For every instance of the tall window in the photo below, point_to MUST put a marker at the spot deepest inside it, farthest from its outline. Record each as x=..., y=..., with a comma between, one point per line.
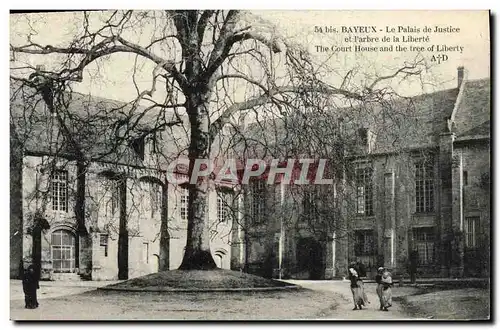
x=364, y=191
x=424, y=240
x=224, y=202
x=424, y=186
x=104, y=238
x=59, y=191
x=183, y=207
x=258, y=200
x=63, y=251
x=364, y=243
x=145, y=252
x=471, y=231
x=310, y=204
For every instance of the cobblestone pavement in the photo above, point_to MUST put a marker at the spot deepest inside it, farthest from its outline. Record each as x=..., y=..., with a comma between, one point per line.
x=325, y=300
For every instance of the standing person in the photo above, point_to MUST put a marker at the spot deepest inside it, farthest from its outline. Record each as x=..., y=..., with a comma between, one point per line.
x=384, y=291
x=378, y=279
x=357, y=287
x=30, y=285
x=413, y=266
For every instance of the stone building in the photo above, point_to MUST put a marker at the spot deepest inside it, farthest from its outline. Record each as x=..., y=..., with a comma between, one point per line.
x=430, y=193
x=95, y=208
x=413, y=174
x=416, y=178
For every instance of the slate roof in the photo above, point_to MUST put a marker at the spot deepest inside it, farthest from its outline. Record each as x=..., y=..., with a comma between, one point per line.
x=93, y=120
x=397, y=124
x=473, y=111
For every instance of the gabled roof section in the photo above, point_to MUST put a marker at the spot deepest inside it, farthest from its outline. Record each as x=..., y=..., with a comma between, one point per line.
x=411, y=123
x=473, y=111
x=92, y=121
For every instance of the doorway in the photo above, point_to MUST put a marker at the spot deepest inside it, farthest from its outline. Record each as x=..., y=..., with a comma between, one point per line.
x=310, y=258
x=63, y=251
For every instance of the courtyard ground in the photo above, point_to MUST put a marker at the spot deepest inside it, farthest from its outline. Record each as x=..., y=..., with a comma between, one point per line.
x=458, y=304
x=323, y=300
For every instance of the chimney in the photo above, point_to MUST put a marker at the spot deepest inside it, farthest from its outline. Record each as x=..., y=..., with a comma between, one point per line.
x=460, y=75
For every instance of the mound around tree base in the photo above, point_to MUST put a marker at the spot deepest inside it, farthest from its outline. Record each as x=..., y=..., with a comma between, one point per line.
x=200, y=281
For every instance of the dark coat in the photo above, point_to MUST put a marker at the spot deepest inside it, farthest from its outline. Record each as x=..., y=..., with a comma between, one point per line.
x=30, y=285
x=413, y=261
x=30, y=281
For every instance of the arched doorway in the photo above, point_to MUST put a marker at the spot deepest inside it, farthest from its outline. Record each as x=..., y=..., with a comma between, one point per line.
x=219, y=258
x=310, y=258
x=63, y=251
x=156, y=262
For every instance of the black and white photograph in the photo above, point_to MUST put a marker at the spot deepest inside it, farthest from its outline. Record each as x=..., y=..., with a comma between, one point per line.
x=244, y=165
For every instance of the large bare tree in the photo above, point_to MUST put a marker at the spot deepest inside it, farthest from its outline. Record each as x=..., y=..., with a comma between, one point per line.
x=207, y=66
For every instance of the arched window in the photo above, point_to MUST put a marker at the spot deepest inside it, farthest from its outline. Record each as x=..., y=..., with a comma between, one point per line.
x=63, y=251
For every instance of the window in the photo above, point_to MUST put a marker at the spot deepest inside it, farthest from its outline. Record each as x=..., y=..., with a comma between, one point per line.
x=310, y=204
x=366, y=139
x=364, y=243
x=103, y=242
x=224, y=202
x=258, y=200
x=184, y=200
x=465, y=178
x=424, y=243
x=424, y=186
x=139, y=146
x=363, y=136
x=145, y=252
x=471, y=231
x=364, y=191
x=59, y=191
x=63, y=251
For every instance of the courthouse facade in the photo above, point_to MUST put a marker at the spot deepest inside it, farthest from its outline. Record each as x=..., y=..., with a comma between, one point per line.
x=419, y=180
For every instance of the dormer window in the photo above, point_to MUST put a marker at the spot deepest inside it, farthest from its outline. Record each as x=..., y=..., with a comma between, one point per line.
x=366, y=139
x=363, y=136
x=139, y=146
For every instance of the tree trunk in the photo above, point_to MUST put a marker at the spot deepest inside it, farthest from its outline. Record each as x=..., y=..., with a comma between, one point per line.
x=36, y=250
x=81, y=176
x=123, y=233
x=197, y=254
x=164, y=256
x=80, y=197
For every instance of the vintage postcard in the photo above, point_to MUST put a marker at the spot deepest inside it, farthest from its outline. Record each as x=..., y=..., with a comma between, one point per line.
x=250, y=165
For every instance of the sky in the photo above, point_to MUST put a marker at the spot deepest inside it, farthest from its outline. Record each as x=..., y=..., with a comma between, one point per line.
x=302, y=28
